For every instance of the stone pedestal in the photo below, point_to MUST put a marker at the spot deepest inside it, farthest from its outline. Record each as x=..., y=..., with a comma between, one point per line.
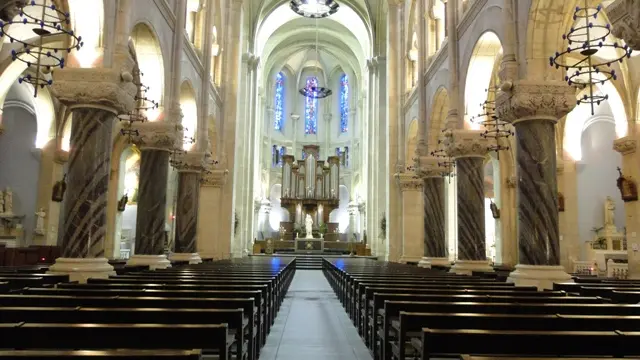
x=155, y=141
x=94, y=97
x=412, y=217
x=192, y=258
x=435, y=241
x=469, y=150
x=533, y=108
x=628, y=146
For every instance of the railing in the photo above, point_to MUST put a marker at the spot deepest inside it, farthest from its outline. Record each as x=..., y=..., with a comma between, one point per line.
x=617, y=270
x=585, y=268
x=125, y=254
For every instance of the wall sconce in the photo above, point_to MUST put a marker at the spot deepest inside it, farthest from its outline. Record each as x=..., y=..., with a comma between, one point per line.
x=628, y=188
x=57, y=194
x=495, y=212
x=560, y=202
x=122, y=203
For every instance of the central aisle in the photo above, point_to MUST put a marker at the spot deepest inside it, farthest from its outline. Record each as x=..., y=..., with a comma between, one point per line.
x=312, y=325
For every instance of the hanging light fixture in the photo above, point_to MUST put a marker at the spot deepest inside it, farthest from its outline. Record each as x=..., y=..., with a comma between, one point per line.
x=59, y=188
x=41, y=55
x=584, y=70
x=312, y=90
x=138, y=114
x=314, y=8
x=122, y=203
x=445, y=161
x=494, y=128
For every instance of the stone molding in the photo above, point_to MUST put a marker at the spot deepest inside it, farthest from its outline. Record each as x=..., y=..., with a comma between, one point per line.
x=408, y=181
x=429, y=167
x=158, y=135
x=625, y=145
x=466, y=143
x=61, y=156
x=111, y=89
x=215, y=178
x=534, y=100
x=625, y=18
x=191, y=161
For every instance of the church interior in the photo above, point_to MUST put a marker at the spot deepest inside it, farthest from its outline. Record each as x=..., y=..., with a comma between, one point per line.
x=319, y=179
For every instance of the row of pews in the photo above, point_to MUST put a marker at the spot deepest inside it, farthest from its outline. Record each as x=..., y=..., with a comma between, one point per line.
x=221, y=310
x=406, y=312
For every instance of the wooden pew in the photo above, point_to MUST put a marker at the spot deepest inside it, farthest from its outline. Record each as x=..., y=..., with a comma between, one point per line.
x=410, y=324
x=510, y=357
x=23, y=336
x=236, y=322
x=130, y=354
x=445, y=342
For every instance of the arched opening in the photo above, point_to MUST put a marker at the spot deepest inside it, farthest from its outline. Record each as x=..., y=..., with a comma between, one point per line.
x=479, y=76
x=128, y=182
x=413, y=61
x=87, y=19
x=439, y=109
x=189, y=109
x=277, y=213
x=151, y=66
x=412, y=141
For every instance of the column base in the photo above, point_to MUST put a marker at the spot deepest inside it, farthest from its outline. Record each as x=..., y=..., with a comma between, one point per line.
x=538, y=275
x=467, y=267
x=153, y=261
x=404, y=259
x=81, y=269
x=428, y=262
x=192, y=258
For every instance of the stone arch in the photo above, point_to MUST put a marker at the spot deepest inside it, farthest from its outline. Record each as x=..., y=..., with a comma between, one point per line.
x=439, y=109
x=189, y=107
x=151, y=64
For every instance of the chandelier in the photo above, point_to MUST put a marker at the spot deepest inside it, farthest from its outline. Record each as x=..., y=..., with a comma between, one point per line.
x=584, y=70
x=314, y=8
x=39, y=54
x=444, y=160
x=494, y=128
x=138, y=114
x=312, y=90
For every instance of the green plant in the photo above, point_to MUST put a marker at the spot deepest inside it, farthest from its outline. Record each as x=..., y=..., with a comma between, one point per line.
x=322, y=228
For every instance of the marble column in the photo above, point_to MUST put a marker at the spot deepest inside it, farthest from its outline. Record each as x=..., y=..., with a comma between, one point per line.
x=628, y=148
x=85, y=205
x=435, y=241
x=190, y=167
x=469, y=150
x=412, y=226
x=155, y=142
x=625, y=18
x=533, y=107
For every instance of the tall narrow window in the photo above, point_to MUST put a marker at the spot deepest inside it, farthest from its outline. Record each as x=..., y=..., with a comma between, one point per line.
x=344, y=103
x=278, y=122
x=283, y=152
x=311, y=109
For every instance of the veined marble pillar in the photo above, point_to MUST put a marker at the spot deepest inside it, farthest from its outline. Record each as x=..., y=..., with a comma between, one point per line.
x=625, y=18
x=533, y=108
x=628, y=147
x=85, y=205
x=190, y=167
x=435, y=241
x=155, y=141
x=469, y=149
x=412, y=242
x=210, y=245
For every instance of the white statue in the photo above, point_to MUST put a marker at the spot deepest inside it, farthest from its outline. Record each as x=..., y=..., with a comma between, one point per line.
x=40, y=215
x=308, y=224
x=8, y=201
x=609, y=215
x=1, y=202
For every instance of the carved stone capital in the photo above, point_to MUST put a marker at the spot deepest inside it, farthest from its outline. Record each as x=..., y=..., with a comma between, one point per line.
x=466, y=143
x=429, y=166
x=10, y=8
x=408, y=181
x=191, y=161
x=108, y=88
x=625, y=18
x=158, y=135
x=215, y=178
x=625, y=145
x=535, y=100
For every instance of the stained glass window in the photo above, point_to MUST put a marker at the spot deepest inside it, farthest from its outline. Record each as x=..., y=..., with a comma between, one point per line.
x=311, y=109
x=283, y=152
x=278, y=122
x=344, y=103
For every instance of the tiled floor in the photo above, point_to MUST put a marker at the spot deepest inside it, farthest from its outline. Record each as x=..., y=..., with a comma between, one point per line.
x=312, y=325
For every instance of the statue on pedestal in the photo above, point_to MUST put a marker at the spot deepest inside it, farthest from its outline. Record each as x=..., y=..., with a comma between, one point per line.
x=40, y=215
x=609, y=215
x=308, y=224
x=8, y=201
